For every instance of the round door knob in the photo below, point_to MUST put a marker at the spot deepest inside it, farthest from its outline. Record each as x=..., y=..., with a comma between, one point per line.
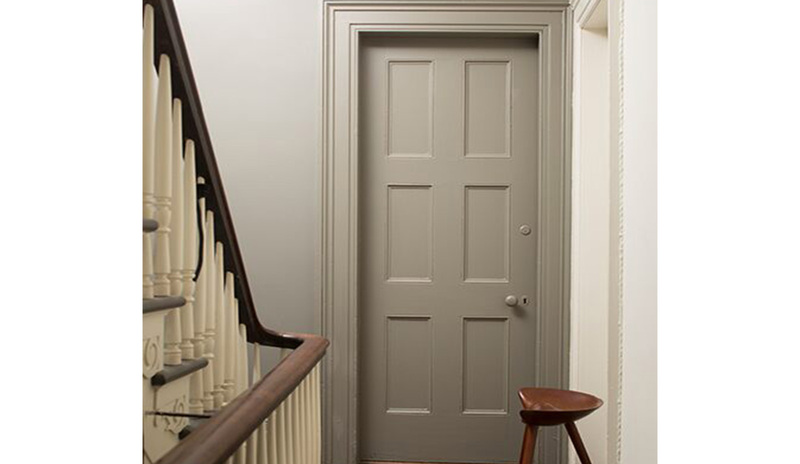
x=511, y=300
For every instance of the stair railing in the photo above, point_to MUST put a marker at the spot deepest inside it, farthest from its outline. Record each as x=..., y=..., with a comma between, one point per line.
x=254, y=420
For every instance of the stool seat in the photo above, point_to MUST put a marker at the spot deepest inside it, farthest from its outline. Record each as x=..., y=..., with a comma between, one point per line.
x=550, y=406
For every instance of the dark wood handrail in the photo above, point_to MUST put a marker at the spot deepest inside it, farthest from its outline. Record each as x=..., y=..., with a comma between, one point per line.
x=169, y=41
x=217, y=439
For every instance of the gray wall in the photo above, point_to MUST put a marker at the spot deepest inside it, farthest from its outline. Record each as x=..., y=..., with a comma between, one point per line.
x=262, y=103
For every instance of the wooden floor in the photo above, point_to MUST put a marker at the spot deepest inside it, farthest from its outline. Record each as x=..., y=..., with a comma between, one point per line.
x=419, y=462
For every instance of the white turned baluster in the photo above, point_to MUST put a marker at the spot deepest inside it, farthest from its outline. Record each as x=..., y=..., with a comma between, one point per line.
x=313, y=426
x=240, y=456
x=243, y=380
x=312, y=417
x=299, y=413
x=241, y=354
x=239, y=380
x=284, y=448
x=172, y=323
x=272, y=445
x=266, y=440
x=210, y=313
x=265, y=446
x=147, y=266
x=296, y=418
x=200, y=301
x=191, y=257
x=318, y=414
x=241, y=385
x=231, y=330
x=196, y=393
x=163, y=176
x=197, y=390
x=149, y=84
x=283, y=427
x=308, y=420
x=256, y=452
x=163, y=197
x=219, y=342
x=189, y=251
x=288, y=421
x=300, y=392
x=176, y=222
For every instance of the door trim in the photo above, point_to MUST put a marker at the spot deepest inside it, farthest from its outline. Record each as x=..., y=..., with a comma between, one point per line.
x=343, y=24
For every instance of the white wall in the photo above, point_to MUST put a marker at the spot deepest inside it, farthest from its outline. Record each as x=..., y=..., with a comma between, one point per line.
x=262, y=104
x=639, y=375
x=629, y=384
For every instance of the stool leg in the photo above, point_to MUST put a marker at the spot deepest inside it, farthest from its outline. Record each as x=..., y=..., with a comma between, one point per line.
x=577, y=443
x=528, y=445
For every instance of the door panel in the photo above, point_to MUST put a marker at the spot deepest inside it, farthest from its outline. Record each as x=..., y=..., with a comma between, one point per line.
x=448, y=203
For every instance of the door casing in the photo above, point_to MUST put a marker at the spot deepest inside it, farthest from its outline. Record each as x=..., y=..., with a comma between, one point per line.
x=344, y=22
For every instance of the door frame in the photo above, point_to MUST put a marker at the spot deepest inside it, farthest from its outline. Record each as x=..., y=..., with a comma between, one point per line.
x=596, y=339
x=343, y=23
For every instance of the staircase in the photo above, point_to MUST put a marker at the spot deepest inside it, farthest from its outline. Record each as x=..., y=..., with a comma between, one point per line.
x=204, y=399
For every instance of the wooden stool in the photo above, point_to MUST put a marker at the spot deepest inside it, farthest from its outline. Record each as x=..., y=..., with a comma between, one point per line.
x=549, y=406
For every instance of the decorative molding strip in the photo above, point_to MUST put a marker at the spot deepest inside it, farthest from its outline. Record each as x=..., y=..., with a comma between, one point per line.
x=151, y=356
x=621, y=226
x=173, y=424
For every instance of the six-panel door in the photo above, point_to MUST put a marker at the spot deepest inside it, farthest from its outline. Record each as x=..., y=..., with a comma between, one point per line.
x=448, y=195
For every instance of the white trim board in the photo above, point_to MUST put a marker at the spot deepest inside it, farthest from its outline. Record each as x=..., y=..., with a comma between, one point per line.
x=343, y=23
x=593, y=308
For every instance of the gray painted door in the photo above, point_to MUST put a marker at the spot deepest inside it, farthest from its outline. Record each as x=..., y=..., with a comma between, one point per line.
x=448, y=143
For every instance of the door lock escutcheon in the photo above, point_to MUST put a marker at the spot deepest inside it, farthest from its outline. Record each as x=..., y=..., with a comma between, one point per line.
x=512, y=300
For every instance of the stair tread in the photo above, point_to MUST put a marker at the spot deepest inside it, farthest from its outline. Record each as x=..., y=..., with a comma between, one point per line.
x=193, y=424
x=159, y=303
x=149, y=225
x=172, y=373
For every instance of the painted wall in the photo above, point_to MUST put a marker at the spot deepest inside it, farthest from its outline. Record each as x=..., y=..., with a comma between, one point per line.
x=262, y=104
x=261, y=100
x=639, y=204
x=626, y=236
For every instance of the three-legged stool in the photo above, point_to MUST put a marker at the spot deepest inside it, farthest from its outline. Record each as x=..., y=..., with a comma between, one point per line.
x=549, y=406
